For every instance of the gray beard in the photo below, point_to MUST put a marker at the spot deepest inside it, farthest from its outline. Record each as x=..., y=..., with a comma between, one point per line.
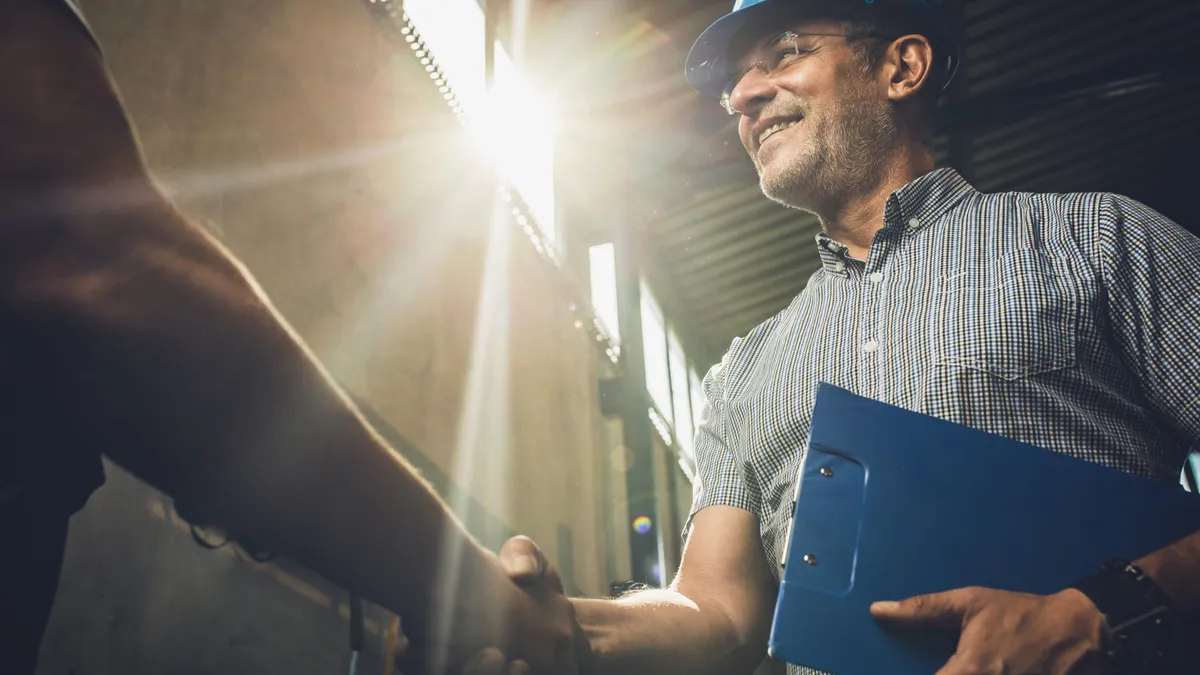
x=847, y=156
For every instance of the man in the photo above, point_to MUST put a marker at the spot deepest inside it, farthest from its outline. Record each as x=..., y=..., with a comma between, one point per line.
x=1067, y=321
x=125, y=330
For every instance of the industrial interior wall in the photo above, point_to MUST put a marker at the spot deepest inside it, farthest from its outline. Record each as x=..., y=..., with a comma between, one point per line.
x=314, y=145
x=670, y=522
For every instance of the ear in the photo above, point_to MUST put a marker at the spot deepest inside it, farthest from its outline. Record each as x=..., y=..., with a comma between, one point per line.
x=908, y=66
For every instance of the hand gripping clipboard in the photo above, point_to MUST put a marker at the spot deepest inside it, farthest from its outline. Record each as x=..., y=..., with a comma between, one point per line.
x=891, y=504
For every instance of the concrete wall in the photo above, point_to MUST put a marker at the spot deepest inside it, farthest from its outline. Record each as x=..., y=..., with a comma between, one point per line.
x=322, y=156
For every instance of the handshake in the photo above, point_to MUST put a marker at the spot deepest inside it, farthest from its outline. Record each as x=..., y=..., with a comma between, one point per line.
x=531, y=632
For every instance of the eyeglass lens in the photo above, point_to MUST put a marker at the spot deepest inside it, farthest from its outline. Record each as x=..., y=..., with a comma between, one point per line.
x=773, y=58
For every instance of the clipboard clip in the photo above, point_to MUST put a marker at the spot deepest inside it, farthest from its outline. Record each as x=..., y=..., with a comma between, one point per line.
x=827, y=507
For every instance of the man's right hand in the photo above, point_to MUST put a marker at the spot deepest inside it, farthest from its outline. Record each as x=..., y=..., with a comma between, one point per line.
x=528, y=567
x=713, y=620
x=537, y=635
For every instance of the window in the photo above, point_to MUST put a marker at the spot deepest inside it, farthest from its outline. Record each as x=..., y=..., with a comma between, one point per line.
x=604, y=288
x=512, y=123
x=517, y=129
x=679, y=394
x=654, y=344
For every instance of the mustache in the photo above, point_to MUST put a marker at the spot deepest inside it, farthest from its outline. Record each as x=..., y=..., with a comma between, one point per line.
x=790, y=109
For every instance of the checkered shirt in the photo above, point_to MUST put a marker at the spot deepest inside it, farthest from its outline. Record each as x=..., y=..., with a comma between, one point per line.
x=1068, y=321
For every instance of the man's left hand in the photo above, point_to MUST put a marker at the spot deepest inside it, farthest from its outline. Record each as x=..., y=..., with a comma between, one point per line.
x=1010, y=633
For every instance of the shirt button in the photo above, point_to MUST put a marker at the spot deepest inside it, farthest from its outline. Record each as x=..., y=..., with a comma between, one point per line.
x=876, y=277
x=870, y=346
x=839, y=267
x=914, y=223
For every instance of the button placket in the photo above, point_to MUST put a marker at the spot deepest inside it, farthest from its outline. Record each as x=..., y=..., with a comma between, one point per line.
x=870, y=341
x=868, y=345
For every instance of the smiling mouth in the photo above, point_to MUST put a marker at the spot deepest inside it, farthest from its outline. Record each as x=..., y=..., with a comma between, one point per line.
x=776, y=128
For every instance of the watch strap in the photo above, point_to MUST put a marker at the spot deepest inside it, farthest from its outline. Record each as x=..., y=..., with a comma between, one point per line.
x=1144, y=628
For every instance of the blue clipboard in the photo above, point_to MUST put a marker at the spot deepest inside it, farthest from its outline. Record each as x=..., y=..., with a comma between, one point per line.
x=891, y=503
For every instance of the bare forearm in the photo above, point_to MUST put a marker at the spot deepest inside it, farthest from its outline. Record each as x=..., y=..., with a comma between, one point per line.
x=1176, y=569
x=662, y=632
x=125, y=329
x=144, y=339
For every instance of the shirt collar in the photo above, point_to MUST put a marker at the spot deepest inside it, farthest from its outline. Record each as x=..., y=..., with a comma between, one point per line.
x=919, y=204
x=833, y=255
x=925, y=200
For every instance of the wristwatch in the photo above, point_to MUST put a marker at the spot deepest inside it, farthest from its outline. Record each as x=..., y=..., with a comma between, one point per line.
x=1145, y=631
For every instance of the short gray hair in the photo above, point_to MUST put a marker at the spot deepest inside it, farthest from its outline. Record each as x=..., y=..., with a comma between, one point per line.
x=869, y=41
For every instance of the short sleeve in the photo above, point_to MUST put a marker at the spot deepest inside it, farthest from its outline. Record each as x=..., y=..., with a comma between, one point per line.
x=1149, y=265
x=719, y=477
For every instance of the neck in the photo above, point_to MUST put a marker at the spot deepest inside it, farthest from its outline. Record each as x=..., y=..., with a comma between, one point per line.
x=854, y=219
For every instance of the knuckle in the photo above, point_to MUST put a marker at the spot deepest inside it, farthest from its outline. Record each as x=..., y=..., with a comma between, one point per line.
x=975, y=592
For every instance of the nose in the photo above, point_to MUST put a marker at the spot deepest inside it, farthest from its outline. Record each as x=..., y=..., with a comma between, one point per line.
x=752, y=92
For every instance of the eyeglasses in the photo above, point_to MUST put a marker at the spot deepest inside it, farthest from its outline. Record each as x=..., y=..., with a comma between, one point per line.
x=777, y=56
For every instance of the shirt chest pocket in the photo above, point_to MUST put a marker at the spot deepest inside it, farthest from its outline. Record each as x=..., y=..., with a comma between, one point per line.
x=1012, y=317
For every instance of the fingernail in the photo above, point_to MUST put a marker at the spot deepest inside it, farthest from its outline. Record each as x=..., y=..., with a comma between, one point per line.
x=885, y=606
x=525, y=565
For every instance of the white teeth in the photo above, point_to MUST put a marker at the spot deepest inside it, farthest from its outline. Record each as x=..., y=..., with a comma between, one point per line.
x=771, y=130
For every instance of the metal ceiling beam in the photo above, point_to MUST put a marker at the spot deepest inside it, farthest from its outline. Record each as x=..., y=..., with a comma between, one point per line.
x=1049, y=176
x=1037, y=25
x=786, y=245
x=1000, y=107
x=958, y=138
x=740, y=231
x=1071, y=149
x=738, y=234
x=751, y=208
x=734, y=287
x=780, y=280
x=1061, y=36
x=742, y=318
x=704, y=210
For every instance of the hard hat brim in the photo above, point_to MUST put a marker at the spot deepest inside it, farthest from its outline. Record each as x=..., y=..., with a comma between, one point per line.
x=708, y=67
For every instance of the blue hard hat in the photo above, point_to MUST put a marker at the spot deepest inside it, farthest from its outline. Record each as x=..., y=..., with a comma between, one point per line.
x=710, y=66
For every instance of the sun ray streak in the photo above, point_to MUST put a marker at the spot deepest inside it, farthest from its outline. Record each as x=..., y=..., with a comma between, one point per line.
x=481, y=463
x=117, y=195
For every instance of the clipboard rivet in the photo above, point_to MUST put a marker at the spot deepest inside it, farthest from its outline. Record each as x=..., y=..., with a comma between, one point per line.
x=810, y=559
x=827, y=472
